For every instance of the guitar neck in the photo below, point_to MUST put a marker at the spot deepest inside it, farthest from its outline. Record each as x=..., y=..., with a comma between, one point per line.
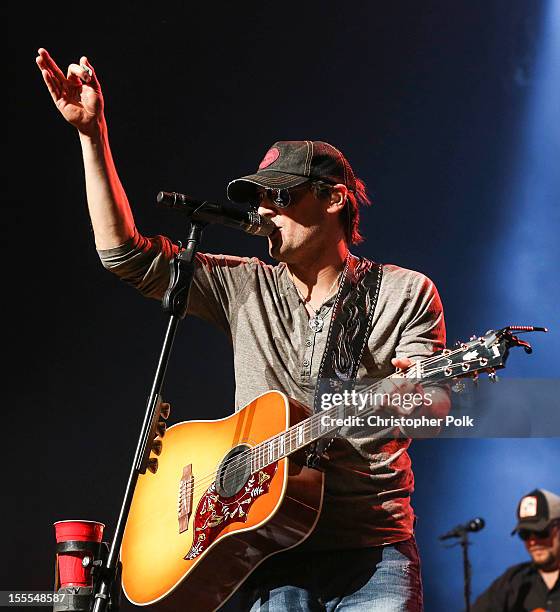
x=324, y=423
x=480, y=354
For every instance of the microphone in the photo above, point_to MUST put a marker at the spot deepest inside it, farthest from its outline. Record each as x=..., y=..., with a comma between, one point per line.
x=229, y=215
x=475, y=524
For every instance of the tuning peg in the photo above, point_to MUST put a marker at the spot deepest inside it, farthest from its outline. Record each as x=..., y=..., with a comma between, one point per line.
x=472, y=338
x=165, y=410
x=493, y=376
x=475, y=378
x=153, y=464
x=160, y=428
x=157, y=445
x=526, y=346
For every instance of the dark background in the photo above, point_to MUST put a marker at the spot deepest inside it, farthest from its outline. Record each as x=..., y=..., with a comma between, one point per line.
x=429, y=101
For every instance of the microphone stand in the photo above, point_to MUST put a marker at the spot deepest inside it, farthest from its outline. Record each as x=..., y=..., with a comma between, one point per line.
x=467, y=570
x=106, y=586
x=463, y=534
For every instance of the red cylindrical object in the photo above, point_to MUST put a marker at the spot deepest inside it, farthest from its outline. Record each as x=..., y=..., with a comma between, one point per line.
x=70, y=567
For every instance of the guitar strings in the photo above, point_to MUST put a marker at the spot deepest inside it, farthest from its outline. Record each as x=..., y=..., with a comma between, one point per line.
x=407, y=373
x=209, y=477
x=239, y=460
x=240, y=463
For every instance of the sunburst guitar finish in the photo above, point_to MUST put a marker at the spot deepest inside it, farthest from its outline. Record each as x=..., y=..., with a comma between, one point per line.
x=217, y=507
x=230, y=493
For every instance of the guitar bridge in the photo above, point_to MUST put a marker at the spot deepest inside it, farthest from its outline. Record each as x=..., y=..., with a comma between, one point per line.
x=184, y=509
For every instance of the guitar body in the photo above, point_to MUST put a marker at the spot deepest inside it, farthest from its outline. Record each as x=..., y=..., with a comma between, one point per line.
x=232, y=492
x=238, y=517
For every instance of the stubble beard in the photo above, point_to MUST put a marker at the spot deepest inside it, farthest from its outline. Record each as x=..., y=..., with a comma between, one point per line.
x=545, y=563
x=287, y=251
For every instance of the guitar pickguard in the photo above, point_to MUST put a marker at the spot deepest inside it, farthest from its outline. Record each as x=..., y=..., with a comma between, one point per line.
x=214, y=512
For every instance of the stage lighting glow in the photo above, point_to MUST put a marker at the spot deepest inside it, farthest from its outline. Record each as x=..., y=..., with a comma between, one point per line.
x=527, y=253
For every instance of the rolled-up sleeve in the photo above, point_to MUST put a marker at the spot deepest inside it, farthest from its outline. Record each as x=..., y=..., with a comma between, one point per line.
x=218, y=282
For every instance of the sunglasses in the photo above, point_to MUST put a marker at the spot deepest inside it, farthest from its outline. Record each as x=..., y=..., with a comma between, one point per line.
x=526, y=534
x=282, y=198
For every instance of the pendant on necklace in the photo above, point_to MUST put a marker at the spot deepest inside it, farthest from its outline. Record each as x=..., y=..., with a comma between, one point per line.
x=316, y=323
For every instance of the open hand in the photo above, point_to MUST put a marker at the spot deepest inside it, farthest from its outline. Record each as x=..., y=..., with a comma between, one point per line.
x=77, y=95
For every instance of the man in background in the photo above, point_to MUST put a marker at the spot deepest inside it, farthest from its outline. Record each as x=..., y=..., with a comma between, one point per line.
x=533, y=585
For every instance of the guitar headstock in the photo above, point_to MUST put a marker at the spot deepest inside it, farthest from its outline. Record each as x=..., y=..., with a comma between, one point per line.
x=486, y=353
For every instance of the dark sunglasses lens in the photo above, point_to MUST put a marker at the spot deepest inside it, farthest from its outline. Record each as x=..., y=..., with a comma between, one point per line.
x=525, y=534
x=281, y=198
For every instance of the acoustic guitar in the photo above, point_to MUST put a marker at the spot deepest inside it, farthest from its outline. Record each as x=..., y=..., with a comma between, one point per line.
x=229, y=493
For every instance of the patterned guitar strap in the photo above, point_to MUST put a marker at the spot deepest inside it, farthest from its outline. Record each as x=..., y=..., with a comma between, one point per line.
x=349, y=330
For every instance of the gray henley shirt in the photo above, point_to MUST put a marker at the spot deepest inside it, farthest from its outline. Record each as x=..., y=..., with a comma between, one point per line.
x=369, y=480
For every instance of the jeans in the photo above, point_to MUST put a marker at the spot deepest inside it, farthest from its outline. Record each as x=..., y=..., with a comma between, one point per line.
x=379, y=579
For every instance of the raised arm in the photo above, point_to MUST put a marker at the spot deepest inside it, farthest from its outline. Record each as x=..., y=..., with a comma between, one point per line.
x=79, y=99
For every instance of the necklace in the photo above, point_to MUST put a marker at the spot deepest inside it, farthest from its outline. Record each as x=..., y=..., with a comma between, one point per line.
x=316, y=321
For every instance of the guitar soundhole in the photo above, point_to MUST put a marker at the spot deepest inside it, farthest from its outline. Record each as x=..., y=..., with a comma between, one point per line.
x=234, y=471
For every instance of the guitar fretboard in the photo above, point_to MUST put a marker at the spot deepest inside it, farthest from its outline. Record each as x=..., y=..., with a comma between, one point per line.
x=468, y=358
x=296, y=437
x=316, y=426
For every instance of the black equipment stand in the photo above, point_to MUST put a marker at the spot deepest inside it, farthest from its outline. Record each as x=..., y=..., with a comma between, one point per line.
x=461, y=532
x=467, y=571
x=174, y=303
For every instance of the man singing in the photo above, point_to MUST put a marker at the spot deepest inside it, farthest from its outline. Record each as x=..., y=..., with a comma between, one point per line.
x=362, y=554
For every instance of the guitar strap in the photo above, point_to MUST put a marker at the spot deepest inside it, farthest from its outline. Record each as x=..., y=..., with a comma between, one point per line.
x=349, y=330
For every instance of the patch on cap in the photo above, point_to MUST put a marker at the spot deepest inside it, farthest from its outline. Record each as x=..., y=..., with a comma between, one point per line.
x=272, y=155
x=528, y=507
